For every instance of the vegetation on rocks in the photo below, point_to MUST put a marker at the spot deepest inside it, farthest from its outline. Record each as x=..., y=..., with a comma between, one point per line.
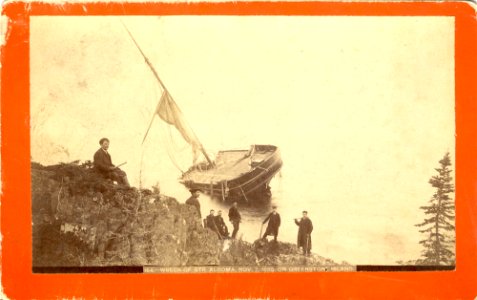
x=81, y=219
x=270, y=253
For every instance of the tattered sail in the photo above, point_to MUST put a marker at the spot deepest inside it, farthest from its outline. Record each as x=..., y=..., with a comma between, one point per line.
x=168, y=110
x=236, y=173
x=170, y=113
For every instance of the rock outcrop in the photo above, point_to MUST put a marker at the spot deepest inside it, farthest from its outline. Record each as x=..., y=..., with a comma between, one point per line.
x=81, y=219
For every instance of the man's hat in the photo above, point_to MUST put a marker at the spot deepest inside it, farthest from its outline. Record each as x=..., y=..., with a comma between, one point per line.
x=305, y=212
x=193, y=190
x=274, y=206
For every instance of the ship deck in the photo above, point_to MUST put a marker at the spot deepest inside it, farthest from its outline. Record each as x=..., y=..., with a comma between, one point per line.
x=229, y=165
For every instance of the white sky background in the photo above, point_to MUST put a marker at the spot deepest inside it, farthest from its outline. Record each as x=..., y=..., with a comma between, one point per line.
x=361, y=107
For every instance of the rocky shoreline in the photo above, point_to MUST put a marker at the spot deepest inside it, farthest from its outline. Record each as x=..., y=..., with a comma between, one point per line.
x=79, y=219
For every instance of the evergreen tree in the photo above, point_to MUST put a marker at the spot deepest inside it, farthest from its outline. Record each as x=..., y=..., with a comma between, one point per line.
x=439, y=222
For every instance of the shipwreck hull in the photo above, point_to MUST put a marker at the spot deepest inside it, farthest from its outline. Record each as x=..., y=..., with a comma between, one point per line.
x=239, y=175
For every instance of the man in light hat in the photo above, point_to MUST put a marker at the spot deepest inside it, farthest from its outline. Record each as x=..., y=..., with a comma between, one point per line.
x=305, y=227
x=273, y=224
x=194, y=200
x=103, y=164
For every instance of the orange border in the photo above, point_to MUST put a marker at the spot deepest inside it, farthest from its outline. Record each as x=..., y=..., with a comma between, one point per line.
x=18, y=280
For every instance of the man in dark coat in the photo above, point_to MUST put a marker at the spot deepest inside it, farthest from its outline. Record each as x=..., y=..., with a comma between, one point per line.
x=219, y=221
x=194, y=200
x=210, y=223
x=273, y=224
x=305, y=227
x=235, y=218
x=103, y=164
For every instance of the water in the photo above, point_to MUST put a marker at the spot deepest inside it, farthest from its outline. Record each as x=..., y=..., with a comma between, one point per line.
x=359, y=130
x=352, y=222
x=255, y=212
x=363, y=206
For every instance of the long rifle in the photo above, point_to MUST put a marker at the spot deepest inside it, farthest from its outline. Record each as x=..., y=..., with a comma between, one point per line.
x=163, y=87
x=307, y=244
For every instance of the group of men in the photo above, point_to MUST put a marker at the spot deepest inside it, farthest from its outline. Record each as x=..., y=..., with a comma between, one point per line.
x=103, y=164
x=216, y=222
x=305, y=227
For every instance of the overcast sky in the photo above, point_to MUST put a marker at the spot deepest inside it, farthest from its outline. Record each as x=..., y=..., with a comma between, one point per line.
x=361, y=107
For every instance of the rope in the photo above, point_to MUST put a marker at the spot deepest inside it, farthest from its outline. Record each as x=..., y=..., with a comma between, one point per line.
x=244, y=194
x=254, y=187
x=170, y=151
x=257, y=185
x=223, y=190
x=253, y=178
x=175, y=146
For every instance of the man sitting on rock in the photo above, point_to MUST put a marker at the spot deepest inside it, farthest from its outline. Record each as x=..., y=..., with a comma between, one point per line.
x=103, y=164
x=210, y=223
x=219, y=221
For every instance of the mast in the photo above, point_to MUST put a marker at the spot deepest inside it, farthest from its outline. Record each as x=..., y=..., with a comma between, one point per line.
x=151, y=67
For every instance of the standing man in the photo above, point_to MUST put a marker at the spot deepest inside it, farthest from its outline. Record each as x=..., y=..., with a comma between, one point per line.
x=235, y=218
x=273, y=224
x=103, y=164
x=219, y=221
x=305, y=227
x=194, y=200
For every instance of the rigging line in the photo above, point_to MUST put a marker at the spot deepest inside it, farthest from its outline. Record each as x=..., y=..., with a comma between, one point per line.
x=254, y=186
x=260, y=182
x=265, y=171
x=165, y=92
x=153, y=71
x=254, y=178
x=172, y=158
x=150, y=124
x=169, y=150
x=175, y=147
x=145, y=57
x=153, y=114
x=174, y=162
x=243, y=193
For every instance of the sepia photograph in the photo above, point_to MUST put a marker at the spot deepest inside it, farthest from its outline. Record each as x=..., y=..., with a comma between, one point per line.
x=201, y=144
